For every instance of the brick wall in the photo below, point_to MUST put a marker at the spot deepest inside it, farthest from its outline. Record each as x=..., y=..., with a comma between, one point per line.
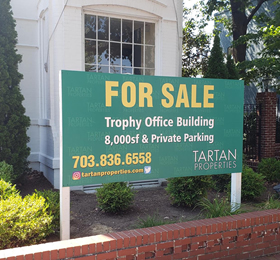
x=277, y=150
x=242, y=236
x=268, y=101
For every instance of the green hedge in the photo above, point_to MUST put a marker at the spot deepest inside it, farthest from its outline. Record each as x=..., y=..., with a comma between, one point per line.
x=270, y=168
x=28, y=220
x=23, y=221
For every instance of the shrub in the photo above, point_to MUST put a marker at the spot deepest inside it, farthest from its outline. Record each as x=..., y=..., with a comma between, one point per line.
x=7, y=190
x=270, y=168
x=115, y=197
x=252, y=185
x=6, y=172
x=221, y=181
x=23, y=221
x=186, y=191
x=53, y=208
x=13, y=121
x=219, y=207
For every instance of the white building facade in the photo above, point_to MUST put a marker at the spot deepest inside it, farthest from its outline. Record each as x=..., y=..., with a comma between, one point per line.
x=109, y=36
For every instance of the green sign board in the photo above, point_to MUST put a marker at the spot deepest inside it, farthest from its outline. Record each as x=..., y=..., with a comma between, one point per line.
x=131, y=127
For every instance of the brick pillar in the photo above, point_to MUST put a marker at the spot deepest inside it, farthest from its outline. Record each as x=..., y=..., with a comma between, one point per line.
x=267, y=102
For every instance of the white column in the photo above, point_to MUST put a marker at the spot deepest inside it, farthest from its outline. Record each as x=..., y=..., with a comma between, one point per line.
x=236, y=191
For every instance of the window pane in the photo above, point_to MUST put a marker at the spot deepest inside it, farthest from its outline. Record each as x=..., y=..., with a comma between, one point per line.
x=90, y=51
x=115, y=70
x=126, y=70
x=138, y=71
x=150, y=72
x=115, y=49
x=138, y=56
x=115, y=29
x=138, y=32
x=103, y=69
x=90, y=68
x=150, y=33
x=90, y=26
x=127, y=55
x=103, y=31
x=131, y=45
x=149, y=56
x=127, y=31
x=103, y=53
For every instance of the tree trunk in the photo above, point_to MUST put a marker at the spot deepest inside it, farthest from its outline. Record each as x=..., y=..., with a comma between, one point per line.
x=239, y=28
x=239, y=25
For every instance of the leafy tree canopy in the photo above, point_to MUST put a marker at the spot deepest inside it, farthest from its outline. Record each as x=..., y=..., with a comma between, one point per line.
x=241, y=14
x=236, y=15
x=267, y=63
x=196, y=46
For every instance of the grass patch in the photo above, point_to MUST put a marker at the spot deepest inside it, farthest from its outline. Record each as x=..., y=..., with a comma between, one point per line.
x=272, y=203
x=219, y=207
x=152, y=221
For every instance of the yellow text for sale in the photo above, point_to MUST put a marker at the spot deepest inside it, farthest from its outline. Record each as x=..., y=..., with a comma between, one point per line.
x=142, y=96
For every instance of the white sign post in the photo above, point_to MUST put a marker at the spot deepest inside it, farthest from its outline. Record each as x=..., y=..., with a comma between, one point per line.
x=64, y=213
x=235, y=191
x=64, y=195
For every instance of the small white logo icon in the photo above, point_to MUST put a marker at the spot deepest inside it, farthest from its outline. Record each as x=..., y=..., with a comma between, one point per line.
x=147, y=169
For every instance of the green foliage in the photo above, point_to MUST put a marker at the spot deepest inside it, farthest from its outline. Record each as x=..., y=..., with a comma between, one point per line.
x=13, y=122
x=252, y=185
x=6, y=172
x=115, y=197
x=196, y=46
x=271, y=203
x=219, y=207
x=52, y=202
x=262, y=68
x=152, y=221
x=270, y=168
x=7, y=190
x=266, y=64
x=235, y=17
x=221, y=181
x=23, y=221
x=240, y=14
x=216, y=67
x=231, y=68
x=186, y=191
x=28, y=220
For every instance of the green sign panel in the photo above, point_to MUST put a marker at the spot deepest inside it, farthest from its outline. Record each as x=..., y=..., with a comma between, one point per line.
x=129, y=127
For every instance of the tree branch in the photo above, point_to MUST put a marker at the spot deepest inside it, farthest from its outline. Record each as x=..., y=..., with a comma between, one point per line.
x=260, y=2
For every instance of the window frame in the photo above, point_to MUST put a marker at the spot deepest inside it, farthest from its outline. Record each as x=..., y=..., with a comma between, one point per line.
x=109, y=41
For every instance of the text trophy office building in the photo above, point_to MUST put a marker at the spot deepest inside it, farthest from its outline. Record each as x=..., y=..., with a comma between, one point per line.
x=109, y=36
